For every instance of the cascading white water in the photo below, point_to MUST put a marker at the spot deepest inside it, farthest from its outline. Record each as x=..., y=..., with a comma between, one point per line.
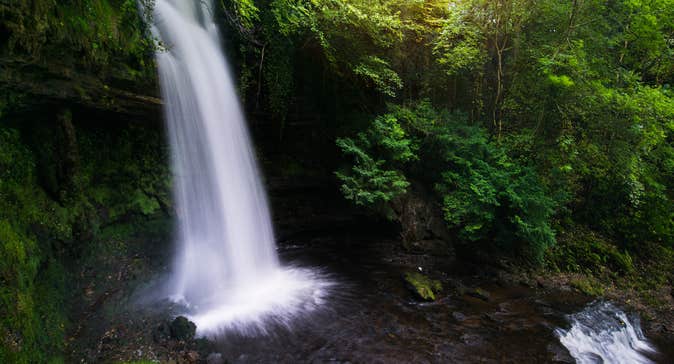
x=602, y=333
x=226, y=269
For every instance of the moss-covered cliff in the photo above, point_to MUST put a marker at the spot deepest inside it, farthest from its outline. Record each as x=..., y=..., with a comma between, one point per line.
x=80, y=150
x=62, y=184
x=90, y=53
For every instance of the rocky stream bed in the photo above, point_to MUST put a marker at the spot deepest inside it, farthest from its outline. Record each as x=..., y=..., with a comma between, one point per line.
x=371, y=316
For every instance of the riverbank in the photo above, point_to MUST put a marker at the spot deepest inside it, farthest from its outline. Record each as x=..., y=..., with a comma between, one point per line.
x=653, y=304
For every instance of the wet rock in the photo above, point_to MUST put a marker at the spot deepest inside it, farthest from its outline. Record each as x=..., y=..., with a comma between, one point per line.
x=204, y=346
x=215, y=358
x=458, y=316
x=491, y=317
x=183, y=329
x=560, y=354
x=161, y=333
x=190, y=357
x=471, y=339
x=422, y=286
x=479, y=293
x=456, y=286
x=659, y=328
x=435, y=247
x=541, y=282
x=109, y=340
x=61, y=85
x=423, y=228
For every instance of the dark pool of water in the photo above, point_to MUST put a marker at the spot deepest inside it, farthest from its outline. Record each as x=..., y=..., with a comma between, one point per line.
x=372, y=317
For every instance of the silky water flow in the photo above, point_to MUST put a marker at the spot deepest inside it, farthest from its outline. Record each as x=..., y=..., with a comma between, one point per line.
x=226, y=271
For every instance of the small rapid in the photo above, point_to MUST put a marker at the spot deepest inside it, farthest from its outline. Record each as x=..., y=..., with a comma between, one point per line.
x=602, y=333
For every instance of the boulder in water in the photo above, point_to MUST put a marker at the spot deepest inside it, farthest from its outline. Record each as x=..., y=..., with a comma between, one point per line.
x=458, y=316
x=560, y=354
x=424, y=287
x=479, y=293
x=215, y=358
x=183, y=329
x=162, y=333
x=190, y=357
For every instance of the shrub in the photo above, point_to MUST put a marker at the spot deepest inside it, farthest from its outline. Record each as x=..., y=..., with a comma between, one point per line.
x=582, y=251
x=489, y=197
x=378, y=155
x=486, y=196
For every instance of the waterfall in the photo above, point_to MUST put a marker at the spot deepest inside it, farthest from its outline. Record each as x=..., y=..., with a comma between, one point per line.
x=602, y=333
x=226, y=271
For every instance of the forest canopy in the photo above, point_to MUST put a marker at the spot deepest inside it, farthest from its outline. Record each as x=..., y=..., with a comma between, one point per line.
x=524, y=117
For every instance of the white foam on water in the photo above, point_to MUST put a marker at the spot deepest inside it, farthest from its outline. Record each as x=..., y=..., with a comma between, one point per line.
x=602, y=333
x=278, y=300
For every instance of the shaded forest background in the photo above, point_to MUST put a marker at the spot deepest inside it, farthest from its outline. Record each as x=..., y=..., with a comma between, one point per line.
x=541, y=132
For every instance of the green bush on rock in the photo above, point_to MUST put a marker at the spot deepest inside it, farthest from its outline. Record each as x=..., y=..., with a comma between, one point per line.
x=378, y=154
x=487, y=196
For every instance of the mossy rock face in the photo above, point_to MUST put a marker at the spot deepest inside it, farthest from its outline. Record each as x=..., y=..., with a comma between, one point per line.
x=183, y=329
x=424, y=287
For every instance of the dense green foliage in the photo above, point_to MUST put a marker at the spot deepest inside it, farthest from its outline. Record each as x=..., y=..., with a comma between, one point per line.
x=588, y=253
x=32, y=281
x=367, y=182
x=48, y=217
x=105, y=36
x=486, y=196
x=568, y=109
x=61, y=184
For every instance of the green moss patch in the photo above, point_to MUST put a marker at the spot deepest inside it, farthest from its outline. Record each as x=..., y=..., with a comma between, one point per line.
x=422, y=286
